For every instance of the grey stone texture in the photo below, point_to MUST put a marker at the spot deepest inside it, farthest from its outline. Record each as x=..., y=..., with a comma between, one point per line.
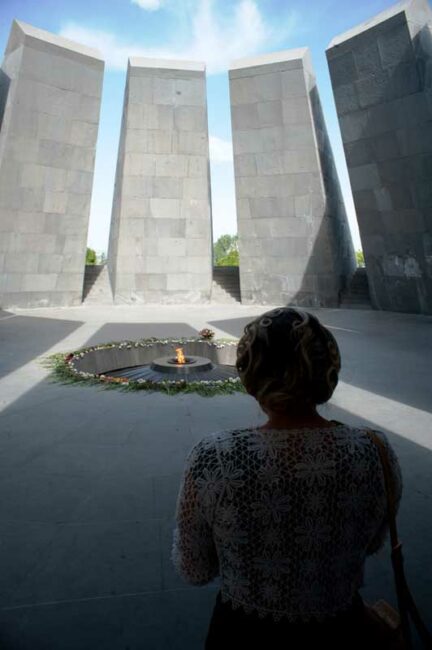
x=294, y=241
x=160, y=239
x=381, y=73
x=50, y=91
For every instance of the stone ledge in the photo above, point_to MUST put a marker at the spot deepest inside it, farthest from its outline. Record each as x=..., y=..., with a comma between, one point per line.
x=23, y=33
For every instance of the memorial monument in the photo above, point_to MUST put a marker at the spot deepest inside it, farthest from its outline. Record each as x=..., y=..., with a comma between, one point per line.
x=294, y=241
x=50, y=92
x=160, y=247
x=381, y=73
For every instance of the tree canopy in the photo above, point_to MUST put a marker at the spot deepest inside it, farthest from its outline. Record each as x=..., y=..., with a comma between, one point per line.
x=360, y=258
x=90, y=256
x=225, y=251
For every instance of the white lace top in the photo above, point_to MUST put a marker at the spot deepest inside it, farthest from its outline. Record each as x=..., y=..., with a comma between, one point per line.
x=284, y=517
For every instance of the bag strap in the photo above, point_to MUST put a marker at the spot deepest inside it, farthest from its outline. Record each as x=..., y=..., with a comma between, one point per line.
x=406, y=602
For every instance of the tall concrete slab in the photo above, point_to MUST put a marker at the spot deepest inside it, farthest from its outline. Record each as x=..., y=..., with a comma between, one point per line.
x=294, y=241
x=50, y=92
x=160, y=240
x=381, y=73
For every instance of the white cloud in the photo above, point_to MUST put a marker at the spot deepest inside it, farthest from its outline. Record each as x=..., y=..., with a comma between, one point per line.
x=215, y=39
x=149, y=5
x=221, y=151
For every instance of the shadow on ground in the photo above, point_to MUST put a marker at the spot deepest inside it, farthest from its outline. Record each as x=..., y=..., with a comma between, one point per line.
x=88, y=497
x=133, y=331
x=23, y=338
x=89, y=479
x=386, y=353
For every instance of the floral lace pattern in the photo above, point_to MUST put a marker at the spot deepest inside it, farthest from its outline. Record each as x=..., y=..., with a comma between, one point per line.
x=286, y=518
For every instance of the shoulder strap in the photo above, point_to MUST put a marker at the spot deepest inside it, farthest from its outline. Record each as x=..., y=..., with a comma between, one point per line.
x=405, y=600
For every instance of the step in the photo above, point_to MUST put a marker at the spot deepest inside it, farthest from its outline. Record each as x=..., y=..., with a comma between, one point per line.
x=226, y=284
x=219, y=294
x=234, y=288
x=356, y=292
x=355, y=300
x=97, y=288
x=224, y=299
x=359, y=287
x=355, y=305
x=356, y=295
x=224, y=294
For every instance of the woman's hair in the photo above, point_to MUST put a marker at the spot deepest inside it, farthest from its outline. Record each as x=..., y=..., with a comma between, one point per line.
x=286, y=359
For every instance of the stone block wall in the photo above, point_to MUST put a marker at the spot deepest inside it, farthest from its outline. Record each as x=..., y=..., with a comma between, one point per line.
x=294, y=241
x=381, y=73
x=160, y=240
x=50, y=91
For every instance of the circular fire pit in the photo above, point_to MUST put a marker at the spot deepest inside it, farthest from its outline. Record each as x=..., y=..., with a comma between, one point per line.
x=190, y=364
x=170, y=365
x=183, y=368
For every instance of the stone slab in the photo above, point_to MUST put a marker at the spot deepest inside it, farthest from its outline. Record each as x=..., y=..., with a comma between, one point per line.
x=381, y=77
x=291, y=219
x=161, y=208
x=47, y=151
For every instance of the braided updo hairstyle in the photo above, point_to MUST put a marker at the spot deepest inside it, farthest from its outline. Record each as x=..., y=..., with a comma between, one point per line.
x=286, y=358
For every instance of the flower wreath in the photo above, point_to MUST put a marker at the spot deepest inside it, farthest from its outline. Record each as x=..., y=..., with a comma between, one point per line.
x=64, y=370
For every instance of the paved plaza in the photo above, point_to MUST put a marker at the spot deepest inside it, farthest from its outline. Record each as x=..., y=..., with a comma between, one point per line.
x=89, y=476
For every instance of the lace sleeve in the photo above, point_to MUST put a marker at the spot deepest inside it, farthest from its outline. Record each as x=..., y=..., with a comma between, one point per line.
x=380, y=537
x=193, y=552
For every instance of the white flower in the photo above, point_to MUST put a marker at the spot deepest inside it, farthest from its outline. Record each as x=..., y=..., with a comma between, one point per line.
x=210, y=485
x=266, y=445
x=314, y=441
x=316, y=469
x=273, y=565
x=271, y=591
x=271, y=507
x=233, y=478
x=238, y=586
x=316, y=501
x=313, y=532
x=352, y=441
x=268, y=473
x=271, y=537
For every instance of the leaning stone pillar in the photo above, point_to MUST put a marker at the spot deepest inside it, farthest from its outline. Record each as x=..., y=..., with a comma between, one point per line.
x=50, y=92
x=160, y=239
x=294, y=241
x=381, y=73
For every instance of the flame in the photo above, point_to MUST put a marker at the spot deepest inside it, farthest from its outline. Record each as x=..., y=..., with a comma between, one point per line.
x=180, y=356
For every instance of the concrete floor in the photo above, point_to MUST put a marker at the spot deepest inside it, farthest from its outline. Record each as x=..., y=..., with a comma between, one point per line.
x=89, y=476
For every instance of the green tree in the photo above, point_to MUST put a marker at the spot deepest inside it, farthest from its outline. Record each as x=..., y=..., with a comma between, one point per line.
x=231, y=259
x=90, y=256
x=226, y=248
x=102, y=258
x=360, y=258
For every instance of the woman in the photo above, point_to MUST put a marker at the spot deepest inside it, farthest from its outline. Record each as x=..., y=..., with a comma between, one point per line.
x=285, y=513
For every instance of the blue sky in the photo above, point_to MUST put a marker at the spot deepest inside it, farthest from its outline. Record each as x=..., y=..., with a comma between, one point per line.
x=213, y=31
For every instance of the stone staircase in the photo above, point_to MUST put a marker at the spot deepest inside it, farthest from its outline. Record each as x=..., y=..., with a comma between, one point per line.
x=97, y=288
x=356, y=296
x=226, y=284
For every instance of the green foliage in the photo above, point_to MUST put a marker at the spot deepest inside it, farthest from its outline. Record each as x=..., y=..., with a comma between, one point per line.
x=360, y=258
x=225, y=251
x=231, y=259
x=102, y=258
x=90, y=256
